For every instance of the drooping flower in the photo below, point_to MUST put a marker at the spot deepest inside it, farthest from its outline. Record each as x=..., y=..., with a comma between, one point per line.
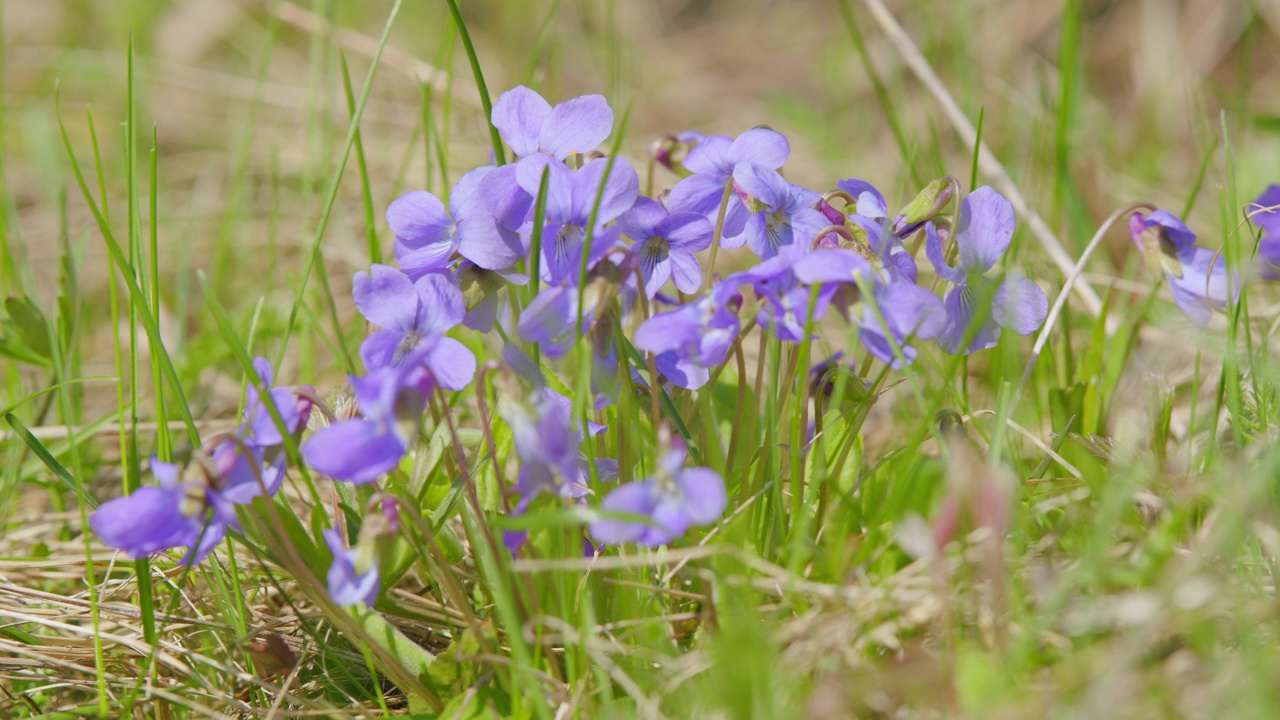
x=869, y=222
x=897, y=313
x=427, y=235
x=413, y=316
x=359, y=450
x=353, y=576
x=780, y=213
x=673, y=500
x=548, y=440
x=1265, y=211
x=982, y=235
x=666, y=243
x=529, y=124
x=713, y=163
x=1197, y=276
x=695, y=337
x=786, y=299
x=259, y=428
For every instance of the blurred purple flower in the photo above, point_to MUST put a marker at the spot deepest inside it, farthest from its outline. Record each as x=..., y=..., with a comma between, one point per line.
x=674, y=499
x=1197, y=276
x=177, y=513
x=786, y=297
x=666, y=243
x=548, y=441
x=530, y=125
x=1265, y=211
x=909, y=312
x=359, y=450
x=259, y=428
x=982, y=235
x=352, y=579
x=693, y=338
x=713, y=163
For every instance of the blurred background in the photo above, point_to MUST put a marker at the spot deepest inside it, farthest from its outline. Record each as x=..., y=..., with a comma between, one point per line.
x=1089, y=104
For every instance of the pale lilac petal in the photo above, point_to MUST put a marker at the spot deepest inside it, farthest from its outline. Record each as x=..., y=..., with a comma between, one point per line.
x=868, y=200
x=682, y=372
x=485, y=242
x=668, y=331
x=686, y=272
x=146, y=522
x=961, y=313
x=381, y=348
x=671, y=520
x=1202, y=289
x=763, y=183
x=386, y=298
x=937, y=257
x=711, y=158
x=636, y=498
x=356, y=451
x=985, y=230
x=560, y=184
x=503, y=198
x=519, y=115
x=620, y=190
x=549, y=315
x=697, y=194
x=689, y=231
x=577, y=125
x=419, y=218
x=416, y=262
x=465, y=199
x=451, y=363
x=441, y=306
x=1020, y=305
x=832, y=266
x=761, y=146
x=641, y=222
x=346, y=586
x=705, y=498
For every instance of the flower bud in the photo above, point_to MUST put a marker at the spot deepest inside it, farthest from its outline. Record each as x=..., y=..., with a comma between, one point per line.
x=927, y=205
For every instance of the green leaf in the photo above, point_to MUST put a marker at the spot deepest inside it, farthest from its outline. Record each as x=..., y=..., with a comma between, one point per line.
x=28, y=323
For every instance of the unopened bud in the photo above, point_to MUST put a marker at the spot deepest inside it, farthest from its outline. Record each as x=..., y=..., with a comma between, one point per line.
x=930, y=203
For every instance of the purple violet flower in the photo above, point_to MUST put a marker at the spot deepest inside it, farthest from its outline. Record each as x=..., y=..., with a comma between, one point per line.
x=571, y=200
x=547, y=440
x=674, y=499
x=983, y=234
x=665, y=244
x=414, y=316
x=353, y=576
x=786, y=298
x=909, y=312
x=530, y=125
x=1197, y=276
x=781, y=213
x=259, y=428
x=693, y=338
x=391, y=401
x=177, y=513
x=713, y=163
x=427, y=235
x=1265, y=211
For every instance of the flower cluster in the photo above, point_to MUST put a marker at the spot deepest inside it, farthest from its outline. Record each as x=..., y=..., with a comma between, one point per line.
x=559, y=247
